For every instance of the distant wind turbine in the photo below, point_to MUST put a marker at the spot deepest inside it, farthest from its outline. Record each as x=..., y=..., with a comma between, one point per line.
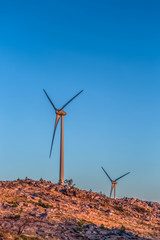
x=59, y=114
x=113, y=183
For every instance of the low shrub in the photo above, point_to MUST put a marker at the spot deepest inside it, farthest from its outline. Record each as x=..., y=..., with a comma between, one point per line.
x=123, y=229
x=41, y=180
x=28, y=238
x=69, y=182
x=140, y=209
x=119, y=208
x=15, y=217
x=102, y=226
x=80, y=224
x=44, y=205
x=14, y=204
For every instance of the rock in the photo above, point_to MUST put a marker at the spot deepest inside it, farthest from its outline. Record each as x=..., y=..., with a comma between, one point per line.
x=44, y=210
x=108, y=212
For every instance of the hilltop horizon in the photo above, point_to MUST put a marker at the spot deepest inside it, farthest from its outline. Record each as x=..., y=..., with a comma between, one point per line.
x=39, y=209
x=75, y=186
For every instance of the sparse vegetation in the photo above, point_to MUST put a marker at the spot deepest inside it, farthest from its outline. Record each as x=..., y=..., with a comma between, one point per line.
x=107, y=200
x=140, y=209
x=69, y=182
x=44, y=205
x=28, y=238
x=123, y=229
x=148, y=211
x=80, y=225
x=14, y=204
x=102, y=226
x=41, y=180
x=21, y=180
x=15, y=217
x=119, y=208
x=104, y=202
x=35, y=194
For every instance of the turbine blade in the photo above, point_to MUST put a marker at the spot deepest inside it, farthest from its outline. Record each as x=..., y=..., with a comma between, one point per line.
x=70, y=100
x=111, y=190
x=107, y=174
x=50, y=100
x=55, y=126
x=121, y=176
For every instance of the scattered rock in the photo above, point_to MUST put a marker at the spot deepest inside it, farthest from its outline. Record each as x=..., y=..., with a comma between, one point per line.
x=43, y=210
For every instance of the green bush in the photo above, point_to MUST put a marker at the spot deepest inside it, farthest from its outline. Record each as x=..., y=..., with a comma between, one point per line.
x=15, y=217
x=140, y=209
x=80, y=224
x=28, y=238
x=69, y=182
x=14, y=204
x=102, y=226
x=123, y=229
x=41, y=180
x=44, y=205
x=119, y=208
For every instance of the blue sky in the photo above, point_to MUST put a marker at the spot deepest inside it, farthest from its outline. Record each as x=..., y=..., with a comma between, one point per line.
x=111, y=50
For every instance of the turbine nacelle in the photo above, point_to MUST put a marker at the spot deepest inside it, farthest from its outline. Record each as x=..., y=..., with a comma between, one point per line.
x=61, y=112
x=114, y=182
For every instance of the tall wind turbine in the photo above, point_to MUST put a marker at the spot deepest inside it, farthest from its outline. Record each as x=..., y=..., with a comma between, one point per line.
x=59, y=114
x=113, y=183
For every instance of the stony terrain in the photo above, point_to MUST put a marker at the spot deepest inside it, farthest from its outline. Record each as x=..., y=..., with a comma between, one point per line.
x=33, y=210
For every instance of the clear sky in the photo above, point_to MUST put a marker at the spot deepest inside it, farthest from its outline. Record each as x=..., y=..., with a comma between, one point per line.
x=111, y=50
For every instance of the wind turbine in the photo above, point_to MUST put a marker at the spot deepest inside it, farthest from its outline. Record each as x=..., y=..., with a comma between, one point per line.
x=113, y=183
x=59, y=114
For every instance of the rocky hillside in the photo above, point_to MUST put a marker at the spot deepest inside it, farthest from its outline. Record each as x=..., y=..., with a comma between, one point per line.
x=43, y=210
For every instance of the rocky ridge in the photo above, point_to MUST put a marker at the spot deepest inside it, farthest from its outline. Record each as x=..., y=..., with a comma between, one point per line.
x=33, y=210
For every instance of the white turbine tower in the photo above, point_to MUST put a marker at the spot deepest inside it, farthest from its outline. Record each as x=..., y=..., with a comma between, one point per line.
x=113, y=182
x=59, y=115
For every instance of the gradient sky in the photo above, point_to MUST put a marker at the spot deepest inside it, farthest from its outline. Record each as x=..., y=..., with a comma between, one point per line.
x=111, y=50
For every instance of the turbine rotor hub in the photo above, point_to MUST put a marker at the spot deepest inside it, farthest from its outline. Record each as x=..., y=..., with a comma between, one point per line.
x=61, y=112
x=114, y=182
